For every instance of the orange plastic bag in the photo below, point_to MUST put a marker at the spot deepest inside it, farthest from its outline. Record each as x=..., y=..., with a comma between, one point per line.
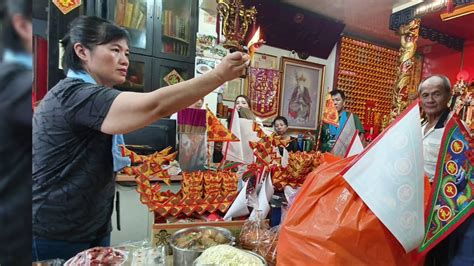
x=329, y=224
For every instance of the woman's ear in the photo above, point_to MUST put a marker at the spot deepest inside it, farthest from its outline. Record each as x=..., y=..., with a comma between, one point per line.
x=81, y=52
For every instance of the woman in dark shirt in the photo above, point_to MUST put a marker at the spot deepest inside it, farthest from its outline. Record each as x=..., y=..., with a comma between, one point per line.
x=73, y=180
x=280, y=124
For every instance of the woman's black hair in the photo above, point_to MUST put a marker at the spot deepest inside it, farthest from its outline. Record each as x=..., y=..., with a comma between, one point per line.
x=89, y=31
x=8, y=9
x=281, y=118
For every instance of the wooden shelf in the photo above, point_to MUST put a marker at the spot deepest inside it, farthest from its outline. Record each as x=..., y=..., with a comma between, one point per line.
x=127, y=178
x=175, y=38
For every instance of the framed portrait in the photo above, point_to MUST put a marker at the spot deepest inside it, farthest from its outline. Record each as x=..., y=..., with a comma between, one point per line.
x=302, y=93
x=232, y=89
x=264, y=61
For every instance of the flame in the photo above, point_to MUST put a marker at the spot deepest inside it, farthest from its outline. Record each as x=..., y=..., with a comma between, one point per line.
x=255, y=43
x=255, y=38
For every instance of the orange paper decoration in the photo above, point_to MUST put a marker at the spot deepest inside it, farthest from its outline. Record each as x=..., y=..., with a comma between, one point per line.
x=67, y=6
x=260, y=133
x=330, y=115
x=150, y=165
x=173, y=78
x=216, y=131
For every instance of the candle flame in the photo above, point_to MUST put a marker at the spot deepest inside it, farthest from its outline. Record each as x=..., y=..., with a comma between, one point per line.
x=255, y=43
x=255, y=38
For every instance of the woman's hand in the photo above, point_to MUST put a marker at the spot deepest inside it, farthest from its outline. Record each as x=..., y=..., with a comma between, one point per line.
x=231, y=66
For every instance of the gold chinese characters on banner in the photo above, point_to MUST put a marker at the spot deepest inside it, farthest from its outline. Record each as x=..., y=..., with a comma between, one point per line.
x=264, y=91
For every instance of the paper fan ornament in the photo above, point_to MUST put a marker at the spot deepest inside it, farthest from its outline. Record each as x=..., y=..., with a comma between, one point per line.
x=216, y=131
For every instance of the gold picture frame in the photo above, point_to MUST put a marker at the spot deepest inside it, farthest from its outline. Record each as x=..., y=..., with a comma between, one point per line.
x=302, y=84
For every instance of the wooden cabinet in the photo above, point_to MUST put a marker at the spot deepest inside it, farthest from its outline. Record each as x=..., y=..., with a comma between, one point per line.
x=175, y=30
x=146, y=73
x=162, y=67
x=136, y=16
x=159, y=28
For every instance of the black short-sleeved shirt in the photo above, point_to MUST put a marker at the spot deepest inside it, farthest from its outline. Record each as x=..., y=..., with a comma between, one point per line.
x=292, y=146
x=73, y=180
x=15, y=164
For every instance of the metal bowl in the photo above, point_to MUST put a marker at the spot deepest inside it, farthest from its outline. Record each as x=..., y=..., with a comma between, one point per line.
x=183, y=256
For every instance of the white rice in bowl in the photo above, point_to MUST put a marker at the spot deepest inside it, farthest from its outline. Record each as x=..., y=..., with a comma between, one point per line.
x=226, y=255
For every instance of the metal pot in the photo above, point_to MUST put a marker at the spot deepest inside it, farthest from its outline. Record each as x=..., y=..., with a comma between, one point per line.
x=185, y=257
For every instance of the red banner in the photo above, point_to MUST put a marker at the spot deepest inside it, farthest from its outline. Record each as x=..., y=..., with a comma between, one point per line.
x=264, y=91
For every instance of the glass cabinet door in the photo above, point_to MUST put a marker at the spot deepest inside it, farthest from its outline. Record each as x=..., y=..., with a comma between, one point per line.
x=177, y=29
x=136, y=16
x=168, y=72
x=138, y=76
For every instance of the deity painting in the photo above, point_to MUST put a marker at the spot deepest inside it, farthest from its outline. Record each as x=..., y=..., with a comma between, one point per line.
x=302, y=84
x=300, y=103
